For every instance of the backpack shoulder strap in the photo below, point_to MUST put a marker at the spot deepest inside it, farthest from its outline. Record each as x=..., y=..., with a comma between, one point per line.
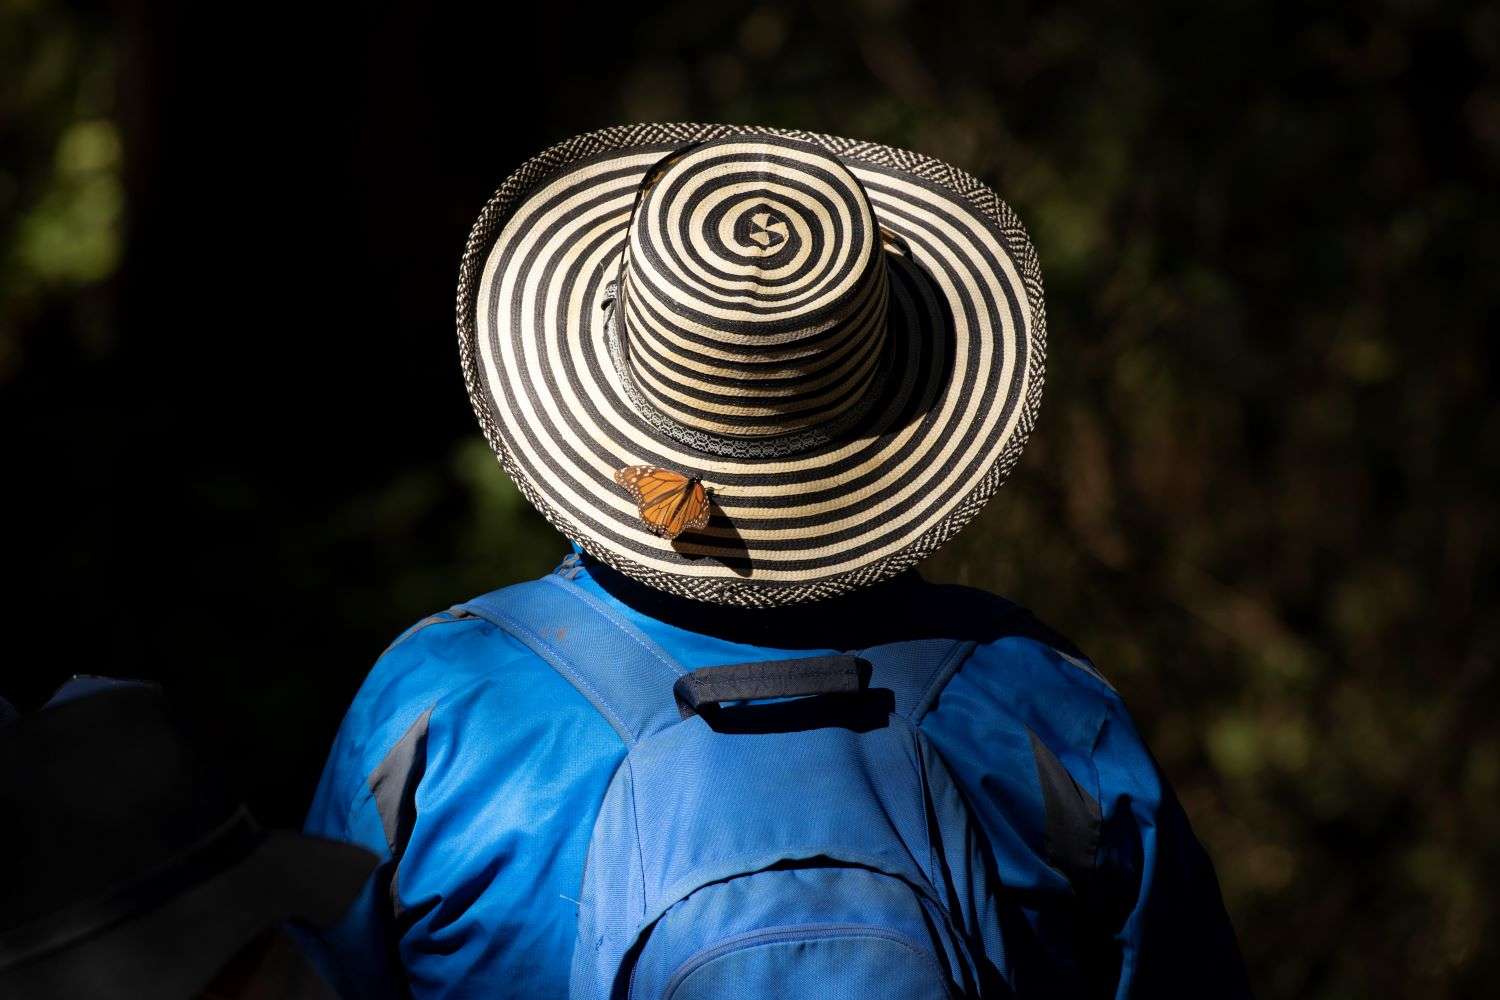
x=625, y=675
x=915, y=671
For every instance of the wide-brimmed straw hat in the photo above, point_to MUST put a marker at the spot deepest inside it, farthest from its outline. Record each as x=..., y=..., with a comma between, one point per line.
x=843, y=341
x=130, y=870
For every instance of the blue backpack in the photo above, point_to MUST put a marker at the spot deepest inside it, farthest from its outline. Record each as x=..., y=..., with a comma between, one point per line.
x=776, y=829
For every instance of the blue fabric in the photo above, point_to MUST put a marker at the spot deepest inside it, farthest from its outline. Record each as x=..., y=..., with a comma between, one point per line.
x=698, y=814
x=86, y=685
x=477, y=897
x=575, y=633
x=817, y=965
x=685, y=875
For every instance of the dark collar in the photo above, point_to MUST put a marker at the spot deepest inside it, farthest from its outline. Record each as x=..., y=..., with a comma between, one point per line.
x=878, y=613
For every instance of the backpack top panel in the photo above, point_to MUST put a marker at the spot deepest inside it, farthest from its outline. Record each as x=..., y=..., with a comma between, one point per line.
x=707, y=804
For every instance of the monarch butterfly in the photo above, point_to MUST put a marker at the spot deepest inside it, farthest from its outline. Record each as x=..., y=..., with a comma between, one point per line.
x=670, y=502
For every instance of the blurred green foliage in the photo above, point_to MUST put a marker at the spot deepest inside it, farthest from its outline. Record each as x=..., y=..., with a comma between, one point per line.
x=71, y=234
x=1263, y=492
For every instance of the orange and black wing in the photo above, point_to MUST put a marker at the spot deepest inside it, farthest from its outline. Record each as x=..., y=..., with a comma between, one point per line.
x=687, y=511
x=670, y=502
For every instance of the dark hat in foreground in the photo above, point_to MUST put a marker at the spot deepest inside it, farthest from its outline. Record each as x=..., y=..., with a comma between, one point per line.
x=128, y=869
x=842, y=341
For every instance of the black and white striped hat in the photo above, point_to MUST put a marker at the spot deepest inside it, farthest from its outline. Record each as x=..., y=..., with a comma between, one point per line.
x=842, y=340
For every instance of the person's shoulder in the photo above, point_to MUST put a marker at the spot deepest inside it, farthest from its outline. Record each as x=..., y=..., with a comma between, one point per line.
x=442, y=658
x=1008, y=635
x=1023, y=668
x=457, y=702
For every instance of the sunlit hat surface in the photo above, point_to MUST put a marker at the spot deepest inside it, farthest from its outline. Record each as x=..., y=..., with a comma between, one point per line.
x=843, y=341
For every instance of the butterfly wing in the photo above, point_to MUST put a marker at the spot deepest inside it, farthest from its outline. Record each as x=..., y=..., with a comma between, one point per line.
x=647, y=484
x=670, y=502
x=687, y=511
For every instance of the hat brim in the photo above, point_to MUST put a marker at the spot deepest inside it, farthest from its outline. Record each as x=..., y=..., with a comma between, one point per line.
x=962, y=388
x=174, y=950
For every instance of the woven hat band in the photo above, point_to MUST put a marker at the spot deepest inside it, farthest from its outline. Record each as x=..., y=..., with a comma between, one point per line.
x=753, y=290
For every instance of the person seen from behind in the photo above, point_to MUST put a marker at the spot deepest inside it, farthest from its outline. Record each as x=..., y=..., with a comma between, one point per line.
x=735, y=746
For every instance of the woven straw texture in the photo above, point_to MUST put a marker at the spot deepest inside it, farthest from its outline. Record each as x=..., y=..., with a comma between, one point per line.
x=772, y=571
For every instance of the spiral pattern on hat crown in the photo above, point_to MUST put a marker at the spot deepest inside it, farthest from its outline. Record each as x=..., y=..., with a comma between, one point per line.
x=752, y=291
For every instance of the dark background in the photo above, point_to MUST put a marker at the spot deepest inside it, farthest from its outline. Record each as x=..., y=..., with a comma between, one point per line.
x=1262, y=495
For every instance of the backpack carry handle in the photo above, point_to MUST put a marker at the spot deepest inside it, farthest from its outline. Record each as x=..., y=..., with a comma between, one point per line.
x=769, y=679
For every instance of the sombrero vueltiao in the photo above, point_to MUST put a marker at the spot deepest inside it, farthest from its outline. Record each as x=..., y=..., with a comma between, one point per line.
x=843, y=340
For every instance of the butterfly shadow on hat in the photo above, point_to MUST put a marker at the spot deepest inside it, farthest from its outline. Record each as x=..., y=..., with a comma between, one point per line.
x=727, y=545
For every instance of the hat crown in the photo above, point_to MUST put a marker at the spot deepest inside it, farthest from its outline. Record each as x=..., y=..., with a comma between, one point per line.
x=752, y=291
